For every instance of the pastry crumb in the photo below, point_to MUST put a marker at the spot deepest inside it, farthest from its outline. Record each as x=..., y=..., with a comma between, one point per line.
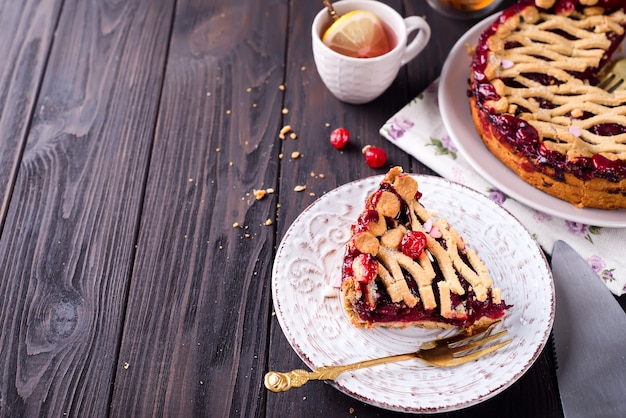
x=470, y=49
x=296, y=155
x=284, y=131
x=236, y=225
x=259, y=194
x=285, y=111
x=299, y=188
x=126, y=366
x=268, y=222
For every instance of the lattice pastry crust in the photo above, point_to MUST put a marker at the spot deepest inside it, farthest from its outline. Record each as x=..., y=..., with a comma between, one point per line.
x=376, y=266
x=542, y=66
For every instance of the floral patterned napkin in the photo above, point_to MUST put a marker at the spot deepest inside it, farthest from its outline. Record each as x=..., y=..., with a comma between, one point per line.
x=419, y=130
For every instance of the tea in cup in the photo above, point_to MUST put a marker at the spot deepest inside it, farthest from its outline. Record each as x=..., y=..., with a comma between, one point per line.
x=361, y=76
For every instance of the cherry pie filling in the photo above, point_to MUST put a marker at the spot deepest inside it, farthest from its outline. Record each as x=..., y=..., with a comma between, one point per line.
x=519, y=135
x=379, y=308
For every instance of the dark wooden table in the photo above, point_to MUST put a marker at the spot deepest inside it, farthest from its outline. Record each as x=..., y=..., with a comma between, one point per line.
x=132, y=136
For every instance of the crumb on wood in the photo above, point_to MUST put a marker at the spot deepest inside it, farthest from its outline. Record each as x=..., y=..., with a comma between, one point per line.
x=299, y=188
x=284, y=131
x=259, y=194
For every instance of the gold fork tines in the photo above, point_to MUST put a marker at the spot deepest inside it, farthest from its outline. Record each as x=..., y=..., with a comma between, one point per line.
x=448, y=352
x=614, y=76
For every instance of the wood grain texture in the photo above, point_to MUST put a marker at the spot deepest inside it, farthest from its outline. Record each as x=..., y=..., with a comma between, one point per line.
x=195, y=332
x=69, y=238
x=25, y=41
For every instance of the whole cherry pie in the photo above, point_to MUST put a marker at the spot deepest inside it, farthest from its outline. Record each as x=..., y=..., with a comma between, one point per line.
x=403, y=266
x=536, y=103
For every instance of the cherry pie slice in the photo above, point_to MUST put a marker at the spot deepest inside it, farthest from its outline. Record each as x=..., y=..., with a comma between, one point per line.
x=405, y=267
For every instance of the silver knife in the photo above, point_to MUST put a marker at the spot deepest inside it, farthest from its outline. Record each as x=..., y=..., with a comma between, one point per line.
x=590, y=339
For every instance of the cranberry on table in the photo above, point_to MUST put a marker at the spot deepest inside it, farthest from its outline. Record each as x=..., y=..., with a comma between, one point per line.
x=339, y=137
x=374, y=157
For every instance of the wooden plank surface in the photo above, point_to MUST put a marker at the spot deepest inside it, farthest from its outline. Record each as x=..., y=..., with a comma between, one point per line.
x=68, y=241
x=195, y=334
x=25, y=41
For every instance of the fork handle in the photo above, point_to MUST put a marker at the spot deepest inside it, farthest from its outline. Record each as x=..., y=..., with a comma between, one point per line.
x=282, y=382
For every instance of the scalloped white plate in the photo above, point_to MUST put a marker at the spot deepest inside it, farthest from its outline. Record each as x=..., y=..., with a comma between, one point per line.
x=456, y=116
x=309, y=259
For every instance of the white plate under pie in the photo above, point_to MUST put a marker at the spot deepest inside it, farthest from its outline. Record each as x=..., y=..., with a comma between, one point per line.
x=455, y=113
x=310, y=256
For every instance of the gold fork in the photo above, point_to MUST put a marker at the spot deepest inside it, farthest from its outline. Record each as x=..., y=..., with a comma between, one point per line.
x=449, y=352
x=614, y=76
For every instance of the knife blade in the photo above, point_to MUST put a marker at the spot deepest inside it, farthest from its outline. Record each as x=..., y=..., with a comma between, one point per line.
x=590, y=339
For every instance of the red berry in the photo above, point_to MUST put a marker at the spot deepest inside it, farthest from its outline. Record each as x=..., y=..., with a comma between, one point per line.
x=413, y=243
x=374, y=157
x=339, y=137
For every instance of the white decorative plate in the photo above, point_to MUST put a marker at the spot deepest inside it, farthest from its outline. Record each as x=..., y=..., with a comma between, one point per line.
x=456, y=116
x=310, y=257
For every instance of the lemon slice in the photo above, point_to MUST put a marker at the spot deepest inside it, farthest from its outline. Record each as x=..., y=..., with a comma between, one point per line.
x=358, y=34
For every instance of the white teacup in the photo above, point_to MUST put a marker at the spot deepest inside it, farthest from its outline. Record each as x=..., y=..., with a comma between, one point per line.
x=361, y=80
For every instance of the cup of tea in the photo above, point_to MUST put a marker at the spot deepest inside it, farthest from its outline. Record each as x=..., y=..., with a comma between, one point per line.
x=362, y=79
x=465, y=9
